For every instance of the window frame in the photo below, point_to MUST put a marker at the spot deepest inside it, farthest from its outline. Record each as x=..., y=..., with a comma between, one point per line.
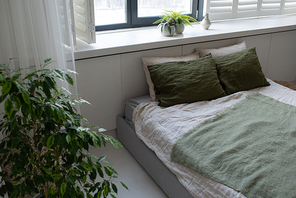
x=134, y=21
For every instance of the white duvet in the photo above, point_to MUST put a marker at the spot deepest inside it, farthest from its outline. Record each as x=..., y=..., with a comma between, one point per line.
x=159, y=128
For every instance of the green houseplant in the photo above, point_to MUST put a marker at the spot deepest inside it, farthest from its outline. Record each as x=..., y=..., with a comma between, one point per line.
x=180, y=19
x=167, y=27
x=44, y=149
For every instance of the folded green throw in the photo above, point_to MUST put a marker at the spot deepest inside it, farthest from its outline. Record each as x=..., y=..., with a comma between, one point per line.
x=250, y=147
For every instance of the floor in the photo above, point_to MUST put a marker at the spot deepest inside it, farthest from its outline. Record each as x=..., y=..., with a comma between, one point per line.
x=140, y=184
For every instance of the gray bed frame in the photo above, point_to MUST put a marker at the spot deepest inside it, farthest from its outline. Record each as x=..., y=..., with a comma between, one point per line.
x=150, y=162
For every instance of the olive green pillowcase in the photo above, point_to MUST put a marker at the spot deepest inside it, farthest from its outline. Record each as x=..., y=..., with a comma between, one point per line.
x=240, y=71
x=186, y=81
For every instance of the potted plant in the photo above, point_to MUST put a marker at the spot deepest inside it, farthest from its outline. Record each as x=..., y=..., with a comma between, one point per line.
x=180, y=19
x=44, y=149
x=167, y=27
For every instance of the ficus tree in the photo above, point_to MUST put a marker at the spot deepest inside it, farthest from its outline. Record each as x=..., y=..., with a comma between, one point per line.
x=45, y=147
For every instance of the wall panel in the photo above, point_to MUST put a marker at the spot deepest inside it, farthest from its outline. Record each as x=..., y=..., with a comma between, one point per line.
x=99, y=81
x=282, y=57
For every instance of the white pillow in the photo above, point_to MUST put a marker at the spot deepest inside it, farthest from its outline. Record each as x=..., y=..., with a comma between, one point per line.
x=222, y=51
x=158, y=60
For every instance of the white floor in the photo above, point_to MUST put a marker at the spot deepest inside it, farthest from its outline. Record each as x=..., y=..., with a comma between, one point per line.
x=140, y=184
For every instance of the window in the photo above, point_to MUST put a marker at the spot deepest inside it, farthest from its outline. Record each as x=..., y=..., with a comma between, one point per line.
x=118, y=14
x=233, y=9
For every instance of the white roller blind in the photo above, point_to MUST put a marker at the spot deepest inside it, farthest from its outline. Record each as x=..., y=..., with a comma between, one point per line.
x=232, y=9
x=84, y=20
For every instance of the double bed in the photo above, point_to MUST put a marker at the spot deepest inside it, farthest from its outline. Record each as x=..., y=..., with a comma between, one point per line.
x=154, y=133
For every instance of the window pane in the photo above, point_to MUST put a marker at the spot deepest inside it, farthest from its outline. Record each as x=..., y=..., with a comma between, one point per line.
x=109, y=12
x=156, y=7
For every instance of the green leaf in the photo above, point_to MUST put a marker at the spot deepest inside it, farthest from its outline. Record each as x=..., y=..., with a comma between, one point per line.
x=170, y=30
x=50, y=141
x=30, y=183
x=2, y=76
x=68, y=138
x=20, y=85
x=16, y=101
x=6, y=88
x=58, y=73
x=89, y=195
x=107, y=171
x=50, y=82
x=15, y=142
x=93, y=175
x=47, y=60
x=46, y=170
x=100, y=172
x=46, y=90
x=14, y=194
x=16, y=76
x=100, y=193
x=71, y=180
x=25, y=110
x=102, y=158
x=26, y=97
x=106, y=191
x=69, y=79
x=2, y=98
x=8, y=106
x=124, y=185
x=114, y=188
x=63, y=188
x=56, y=176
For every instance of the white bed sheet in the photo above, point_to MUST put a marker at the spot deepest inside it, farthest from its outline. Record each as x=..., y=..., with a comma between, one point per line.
x=159, y=128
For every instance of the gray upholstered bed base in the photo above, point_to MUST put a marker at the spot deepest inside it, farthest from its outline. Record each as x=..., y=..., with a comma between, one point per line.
x=147, y=158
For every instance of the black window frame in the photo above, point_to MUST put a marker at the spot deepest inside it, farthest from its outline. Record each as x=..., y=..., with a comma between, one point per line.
x=134, y=21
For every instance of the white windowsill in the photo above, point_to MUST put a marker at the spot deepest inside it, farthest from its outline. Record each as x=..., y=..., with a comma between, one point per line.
x=123, y=41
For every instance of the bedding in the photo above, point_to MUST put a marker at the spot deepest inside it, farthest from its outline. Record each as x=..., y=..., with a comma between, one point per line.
x=186, y=81
x=255, y=157
x=222, y=50
x=158, y=60
x=240, y=71
x=159, y=128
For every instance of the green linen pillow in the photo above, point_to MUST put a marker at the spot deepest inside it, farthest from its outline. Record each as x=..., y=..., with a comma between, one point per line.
x=186, y=81
x=240, y=71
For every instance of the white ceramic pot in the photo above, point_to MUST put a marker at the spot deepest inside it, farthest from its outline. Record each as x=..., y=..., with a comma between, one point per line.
x=168, y=32
x=180, y=28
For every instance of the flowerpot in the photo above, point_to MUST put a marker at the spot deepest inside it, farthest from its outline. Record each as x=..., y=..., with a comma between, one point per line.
x=168, y=30
x=205, y=23
x=180, y=28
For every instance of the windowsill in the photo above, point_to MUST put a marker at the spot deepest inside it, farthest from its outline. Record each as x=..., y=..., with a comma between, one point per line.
x=130, y=40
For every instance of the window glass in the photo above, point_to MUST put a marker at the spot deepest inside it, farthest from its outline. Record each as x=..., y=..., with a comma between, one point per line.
x=148, y=8
x=108, y=12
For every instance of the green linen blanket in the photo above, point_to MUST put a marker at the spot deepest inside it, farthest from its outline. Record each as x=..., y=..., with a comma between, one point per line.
x=250, y=147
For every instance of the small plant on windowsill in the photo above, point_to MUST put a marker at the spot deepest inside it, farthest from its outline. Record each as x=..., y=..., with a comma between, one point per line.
x=181, y=20
x=44, y=149
x=167, y=27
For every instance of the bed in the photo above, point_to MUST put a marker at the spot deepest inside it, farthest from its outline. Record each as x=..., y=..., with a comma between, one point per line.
x=150, y=133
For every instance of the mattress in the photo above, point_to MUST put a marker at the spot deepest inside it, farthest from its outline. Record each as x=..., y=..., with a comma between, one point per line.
x=130, y=106
x=172, y=123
